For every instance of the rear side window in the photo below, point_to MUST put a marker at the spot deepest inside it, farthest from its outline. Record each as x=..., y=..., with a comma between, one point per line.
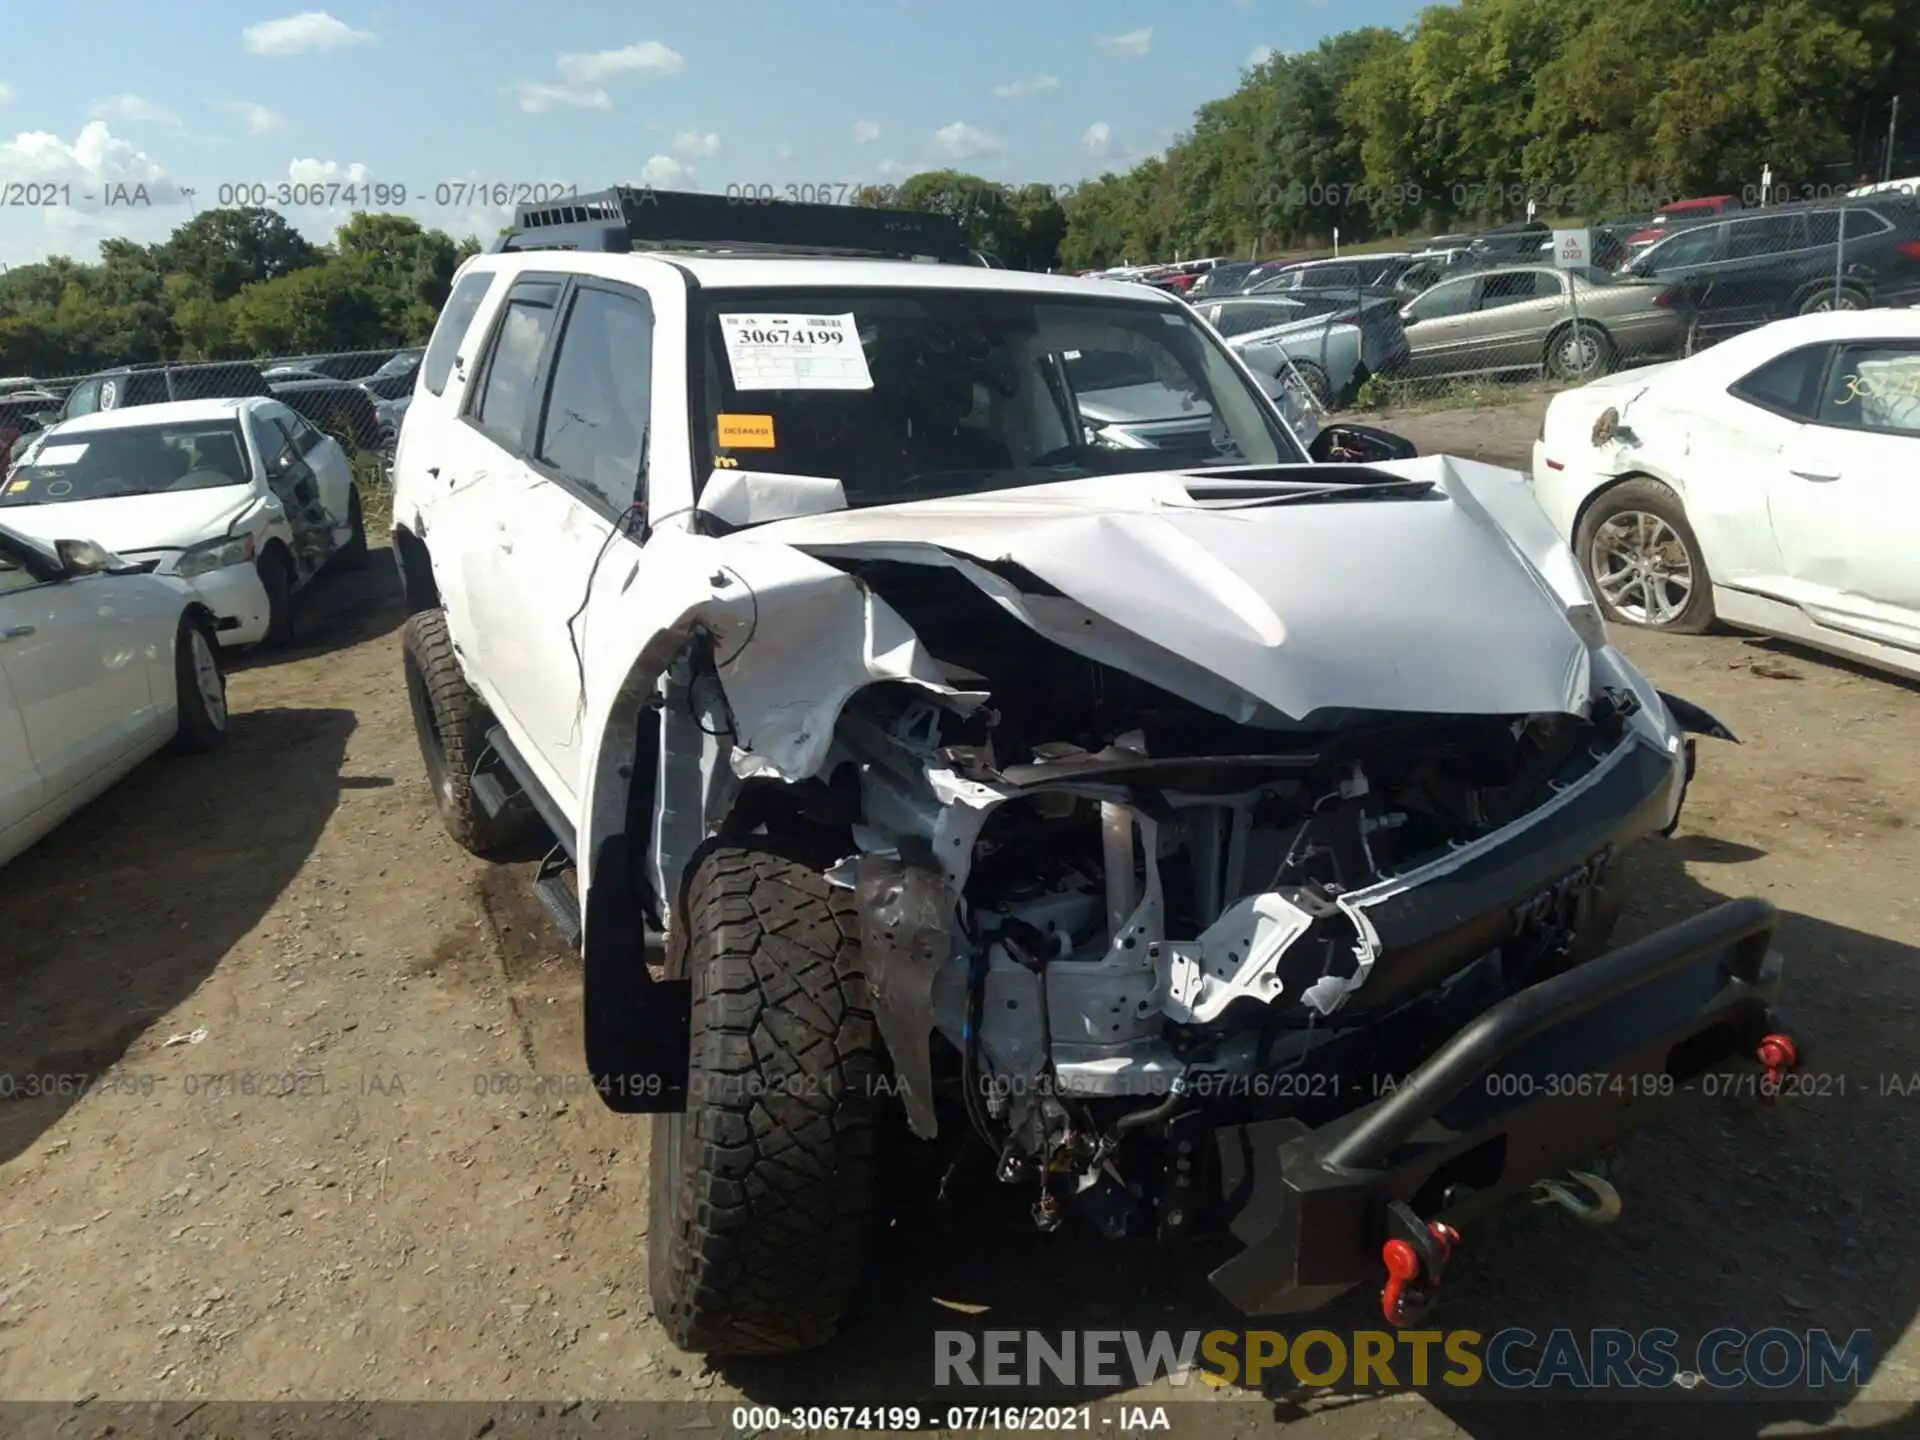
x=1824, y=225
x=505, y=402
x=1874, y=387
x=455, y=317
x=1786, y=384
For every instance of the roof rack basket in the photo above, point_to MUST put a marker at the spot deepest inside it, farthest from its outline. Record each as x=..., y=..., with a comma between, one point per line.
x=627, y=218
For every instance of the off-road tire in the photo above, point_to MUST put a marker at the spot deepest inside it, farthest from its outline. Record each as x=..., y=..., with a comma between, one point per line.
x=200, y=727
x=1697, y=616
x=763, y=1191
x=276, y=575
x=451, y=723
x=353, y=554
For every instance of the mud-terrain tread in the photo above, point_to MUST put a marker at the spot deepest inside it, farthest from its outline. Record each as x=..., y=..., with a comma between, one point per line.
x=759, y=1246
x=460, y=725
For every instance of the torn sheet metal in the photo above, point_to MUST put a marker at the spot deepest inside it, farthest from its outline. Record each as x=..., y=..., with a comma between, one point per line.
x=905, y=909
x=1403, y=605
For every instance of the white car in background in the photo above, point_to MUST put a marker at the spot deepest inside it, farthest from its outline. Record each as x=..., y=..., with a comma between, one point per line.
x=243, y=498
x=1771, y=483
x=101, y=665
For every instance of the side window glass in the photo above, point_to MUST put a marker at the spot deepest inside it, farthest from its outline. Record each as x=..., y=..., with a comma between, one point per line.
x=1443, y=301
x=1785, y=383
x=505, y=401
x=85, y=398
x=598, y=410
x=1874, y=387
x=451, y=329
x=1499, y=291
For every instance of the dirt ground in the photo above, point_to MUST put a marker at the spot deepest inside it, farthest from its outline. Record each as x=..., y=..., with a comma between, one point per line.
x=337, y=1146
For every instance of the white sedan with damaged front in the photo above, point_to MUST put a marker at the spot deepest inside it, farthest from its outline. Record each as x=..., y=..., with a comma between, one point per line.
x=244, y=499
x=1771, y=483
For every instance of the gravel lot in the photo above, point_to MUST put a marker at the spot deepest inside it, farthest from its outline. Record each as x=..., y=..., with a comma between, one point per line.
x=346, y=1182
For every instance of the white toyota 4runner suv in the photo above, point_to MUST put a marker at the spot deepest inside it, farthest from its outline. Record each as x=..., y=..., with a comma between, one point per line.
x=1221, y=833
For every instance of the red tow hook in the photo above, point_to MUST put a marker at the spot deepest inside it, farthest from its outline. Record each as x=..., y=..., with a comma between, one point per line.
x=1780, y=1057
x=1413, y=1277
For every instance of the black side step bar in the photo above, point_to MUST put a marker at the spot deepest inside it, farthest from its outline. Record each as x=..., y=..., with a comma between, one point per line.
x=534, y=792
x=554, y=890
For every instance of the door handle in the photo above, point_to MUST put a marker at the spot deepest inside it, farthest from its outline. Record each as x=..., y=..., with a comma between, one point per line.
x=18, y=632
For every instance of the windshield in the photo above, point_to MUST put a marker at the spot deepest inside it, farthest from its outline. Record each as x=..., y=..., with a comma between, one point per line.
x=137, y=460
x=906, y=394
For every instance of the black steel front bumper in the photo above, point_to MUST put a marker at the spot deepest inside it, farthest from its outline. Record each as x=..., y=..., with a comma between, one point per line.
x=1541, y=1082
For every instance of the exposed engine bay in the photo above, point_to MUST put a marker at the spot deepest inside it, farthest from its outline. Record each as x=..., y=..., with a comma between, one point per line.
x=1118, y=910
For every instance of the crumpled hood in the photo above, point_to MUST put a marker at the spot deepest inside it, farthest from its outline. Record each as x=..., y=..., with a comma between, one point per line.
x=170, y=520
x=1408, y=604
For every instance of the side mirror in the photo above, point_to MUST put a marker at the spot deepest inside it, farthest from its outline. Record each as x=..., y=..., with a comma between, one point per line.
x=83, y=557
x=1345, y=444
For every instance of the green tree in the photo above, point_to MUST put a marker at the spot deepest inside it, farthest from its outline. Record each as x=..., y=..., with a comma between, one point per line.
x=228, y=250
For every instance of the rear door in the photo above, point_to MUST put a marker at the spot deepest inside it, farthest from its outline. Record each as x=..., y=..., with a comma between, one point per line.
x=498, y=417
x=1512, y=314
x=1846, y=504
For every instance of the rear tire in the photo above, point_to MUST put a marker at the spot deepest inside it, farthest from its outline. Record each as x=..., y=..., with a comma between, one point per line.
x=201, y=688
x=1589, y=359
x=451, y=724
x=1819, y=302
x=1318, y=385
x=762, y=1192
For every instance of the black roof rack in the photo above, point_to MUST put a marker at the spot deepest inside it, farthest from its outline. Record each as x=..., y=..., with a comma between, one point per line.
x=627, y=218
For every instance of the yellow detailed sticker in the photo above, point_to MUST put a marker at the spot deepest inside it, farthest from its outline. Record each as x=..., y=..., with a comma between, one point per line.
x=746, y=432
x=17, y=486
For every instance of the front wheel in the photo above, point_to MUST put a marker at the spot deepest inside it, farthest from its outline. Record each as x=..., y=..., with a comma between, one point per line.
x=762, y=1192
x=353, y=554
x=1316, y=382
x=200, y=686
x=1644, y=560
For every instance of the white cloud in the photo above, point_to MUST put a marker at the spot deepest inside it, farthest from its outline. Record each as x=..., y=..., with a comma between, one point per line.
x=663, y=172
x=538, y=97
x=259, y=119
x=1260, y=55
x=135, y=111
x=104, y=174
x=648, y=57
x=584, y=75
x=327, y=172
x=1134, y=42
x=961, y=141
x=1099, y=139
x=865, y=132
x=311, y=30
x=6, y=92
x=1034, y=86
x=695, y=146
x=893, y=170
x=783, y=151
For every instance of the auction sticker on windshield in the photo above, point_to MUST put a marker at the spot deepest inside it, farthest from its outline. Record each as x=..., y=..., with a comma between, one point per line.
x=59, y=455
x=795, y=352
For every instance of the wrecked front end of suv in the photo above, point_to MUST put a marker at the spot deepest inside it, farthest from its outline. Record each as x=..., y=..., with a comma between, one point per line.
x=1242, y=853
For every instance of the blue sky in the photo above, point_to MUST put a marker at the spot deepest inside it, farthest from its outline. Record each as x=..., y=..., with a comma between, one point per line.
x=187, y=102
